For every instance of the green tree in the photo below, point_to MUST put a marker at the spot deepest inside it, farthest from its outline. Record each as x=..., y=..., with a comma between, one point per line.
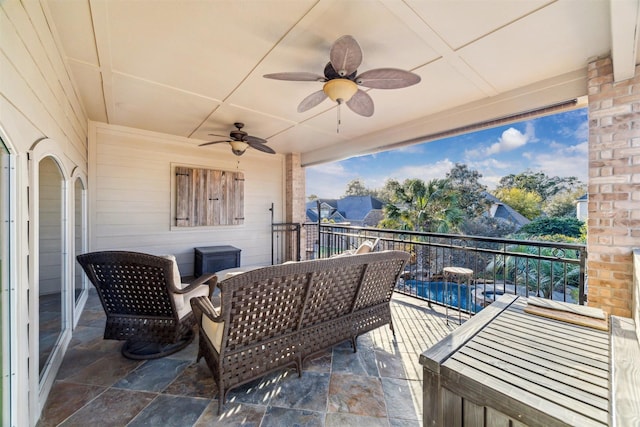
x=565, y=226
x=487, y=226
x=542, y=277
x=564, y=203
x=539, y=183
x=312, y=197
x=424, y=207
x=470, y=193
x=527, y=203
x=387, y=193
x=356, y=187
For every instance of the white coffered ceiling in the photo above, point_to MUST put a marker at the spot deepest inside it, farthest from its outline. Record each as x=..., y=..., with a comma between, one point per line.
x=190, y=68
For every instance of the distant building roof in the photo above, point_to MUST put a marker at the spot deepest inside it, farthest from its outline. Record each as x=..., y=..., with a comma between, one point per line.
x=504, y=212
x=351, y=208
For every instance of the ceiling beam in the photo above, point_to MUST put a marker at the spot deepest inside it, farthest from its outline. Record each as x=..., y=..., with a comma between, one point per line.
x=624, y=37
x=99, y=18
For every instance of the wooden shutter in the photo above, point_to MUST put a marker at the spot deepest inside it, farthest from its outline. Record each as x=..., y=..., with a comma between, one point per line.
x=236, y=205
x=184, y=196
x=206, y=197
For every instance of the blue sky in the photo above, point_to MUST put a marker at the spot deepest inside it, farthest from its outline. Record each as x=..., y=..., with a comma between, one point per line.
x=556, y=145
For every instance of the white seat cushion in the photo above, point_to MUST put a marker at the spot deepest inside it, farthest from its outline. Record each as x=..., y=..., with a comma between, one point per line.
x=213, y=331
x=182, y=301
x=365, y=247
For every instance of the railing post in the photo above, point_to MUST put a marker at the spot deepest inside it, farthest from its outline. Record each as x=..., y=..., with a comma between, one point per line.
x=582, y=297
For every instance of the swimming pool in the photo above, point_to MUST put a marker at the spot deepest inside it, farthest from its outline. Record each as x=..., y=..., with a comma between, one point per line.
x=435, y=291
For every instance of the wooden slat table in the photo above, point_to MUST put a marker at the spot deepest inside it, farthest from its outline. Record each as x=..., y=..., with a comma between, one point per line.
x=507, y=367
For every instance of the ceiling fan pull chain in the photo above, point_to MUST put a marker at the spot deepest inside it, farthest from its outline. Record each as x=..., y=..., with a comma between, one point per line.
x=338, y=125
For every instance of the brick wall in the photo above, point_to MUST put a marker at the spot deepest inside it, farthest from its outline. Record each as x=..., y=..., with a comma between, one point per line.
x=295, y=188
x=614, y=187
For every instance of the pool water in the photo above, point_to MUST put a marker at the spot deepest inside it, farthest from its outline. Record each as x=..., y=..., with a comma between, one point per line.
x=435, y=291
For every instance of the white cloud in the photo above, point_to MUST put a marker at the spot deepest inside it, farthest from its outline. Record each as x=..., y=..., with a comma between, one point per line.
x=561, y=160
x=511, y=139
x=411, y=149
x=328, y=180
x=329, y=169
x=474, y=153
x=581, y=148
x=491, y=181
x=579, y=133
x=488, y=164
x=425, y=172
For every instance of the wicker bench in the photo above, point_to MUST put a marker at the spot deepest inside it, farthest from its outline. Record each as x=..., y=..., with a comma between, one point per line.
x=278, y=316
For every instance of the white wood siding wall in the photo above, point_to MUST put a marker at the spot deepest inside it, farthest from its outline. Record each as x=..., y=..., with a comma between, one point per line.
x=38, y=97
x=37, y=100
x=130, y=187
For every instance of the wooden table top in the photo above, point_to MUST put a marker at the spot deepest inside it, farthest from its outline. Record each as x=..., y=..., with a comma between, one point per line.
x=529, y=366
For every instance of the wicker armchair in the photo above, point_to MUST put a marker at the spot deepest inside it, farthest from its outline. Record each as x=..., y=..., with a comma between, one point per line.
x=144, y=300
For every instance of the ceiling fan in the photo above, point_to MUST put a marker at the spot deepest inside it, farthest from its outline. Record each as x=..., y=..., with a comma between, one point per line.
x=341, y=80
x=241, y=140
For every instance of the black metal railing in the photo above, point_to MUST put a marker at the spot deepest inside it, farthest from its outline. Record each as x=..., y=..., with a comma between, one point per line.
x=285, y=242
x=530, y=268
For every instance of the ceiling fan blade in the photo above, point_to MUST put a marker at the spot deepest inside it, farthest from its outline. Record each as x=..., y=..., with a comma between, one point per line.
x=387, y=78
x=346, y=55
x=311, y=101
x=296, y=76
x=221, y=136
x=254, y=140
x=261, y=147
x=361, y=103
x=213, y=142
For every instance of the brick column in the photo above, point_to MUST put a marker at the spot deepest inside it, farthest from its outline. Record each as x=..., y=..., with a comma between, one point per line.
x=614, y=187
x=295, y=188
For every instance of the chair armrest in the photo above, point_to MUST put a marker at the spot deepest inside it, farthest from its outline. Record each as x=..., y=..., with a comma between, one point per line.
x=203, y=305
x=210, y=280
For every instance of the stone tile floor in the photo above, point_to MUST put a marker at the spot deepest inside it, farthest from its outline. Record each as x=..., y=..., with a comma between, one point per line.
x=379, y=385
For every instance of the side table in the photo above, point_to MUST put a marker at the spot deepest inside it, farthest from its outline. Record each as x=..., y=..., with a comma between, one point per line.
x=459, y=273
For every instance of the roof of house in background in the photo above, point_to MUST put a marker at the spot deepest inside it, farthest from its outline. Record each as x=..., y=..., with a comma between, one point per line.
x=354, y=208
x=502, y=211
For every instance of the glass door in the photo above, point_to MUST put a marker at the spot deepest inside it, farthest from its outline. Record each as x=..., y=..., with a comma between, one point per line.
x=79, y=244
x=51, y=301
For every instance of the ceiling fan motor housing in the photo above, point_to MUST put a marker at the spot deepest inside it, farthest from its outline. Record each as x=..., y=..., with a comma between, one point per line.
x=238, y=135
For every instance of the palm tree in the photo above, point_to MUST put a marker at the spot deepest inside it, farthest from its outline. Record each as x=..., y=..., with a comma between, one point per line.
x=541, y=276
x=424, y=207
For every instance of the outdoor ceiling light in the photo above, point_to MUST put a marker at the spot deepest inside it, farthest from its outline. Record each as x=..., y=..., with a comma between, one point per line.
x=340, y=90
x=238, y=147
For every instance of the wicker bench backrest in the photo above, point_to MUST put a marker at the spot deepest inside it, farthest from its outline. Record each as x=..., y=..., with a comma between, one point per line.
x=259, y=307
x=333, y=291
x=268, y=302
x=378, y=283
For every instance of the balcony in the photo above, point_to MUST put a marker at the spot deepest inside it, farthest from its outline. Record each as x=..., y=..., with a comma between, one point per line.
x=381, y=384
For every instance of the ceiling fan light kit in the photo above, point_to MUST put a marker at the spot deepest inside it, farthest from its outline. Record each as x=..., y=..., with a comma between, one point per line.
x=340, y=90
x=238, y=147
x=341, y=79
x=240, y=140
